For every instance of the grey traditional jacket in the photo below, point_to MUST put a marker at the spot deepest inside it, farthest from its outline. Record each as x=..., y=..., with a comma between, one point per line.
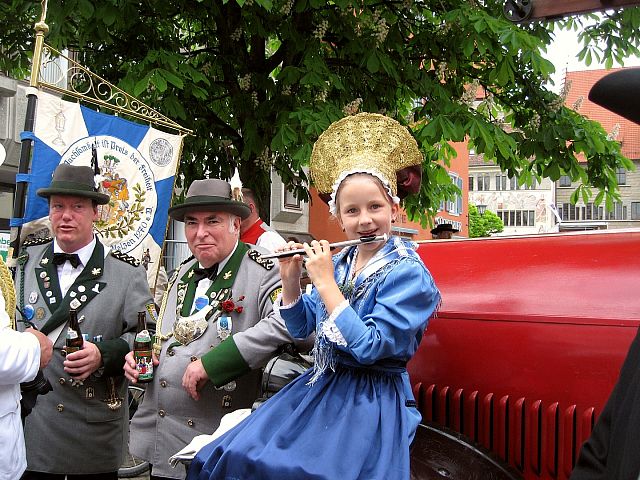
x=82, y=429
x=169, y=418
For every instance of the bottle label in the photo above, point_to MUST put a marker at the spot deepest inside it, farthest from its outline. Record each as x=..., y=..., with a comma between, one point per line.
x=144, y=364
x=73, y=343
x=143, y=336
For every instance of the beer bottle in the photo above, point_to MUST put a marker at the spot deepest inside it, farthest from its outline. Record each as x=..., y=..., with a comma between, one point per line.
x=74, y=339
x=142, y=347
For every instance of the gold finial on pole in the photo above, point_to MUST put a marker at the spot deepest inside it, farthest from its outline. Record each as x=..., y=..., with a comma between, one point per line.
x=41, y=29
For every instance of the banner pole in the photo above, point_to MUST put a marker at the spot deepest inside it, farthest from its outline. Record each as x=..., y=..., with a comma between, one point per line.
x=41, y=29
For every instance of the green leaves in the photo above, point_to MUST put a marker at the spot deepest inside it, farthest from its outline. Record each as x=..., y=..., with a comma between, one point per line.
x=258, y=81
x=373, y=64
x=483, y=225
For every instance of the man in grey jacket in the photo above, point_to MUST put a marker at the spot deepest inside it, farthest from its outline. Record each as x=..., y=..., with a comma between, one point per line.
x=79, y=430
x=215, y=329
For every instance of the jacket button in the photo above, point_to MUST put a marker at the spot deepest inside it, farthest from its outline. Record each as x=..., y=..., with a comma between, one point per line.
x=190, y=422
x=163, y=383
x=62, y=381
x=162, y=413
x=60, y=407
x=171, y=353
x=193, y=358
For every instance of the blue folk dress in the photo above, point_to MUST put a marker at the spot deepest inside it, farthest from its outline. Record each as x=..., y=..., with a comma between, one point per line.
x=353, y=415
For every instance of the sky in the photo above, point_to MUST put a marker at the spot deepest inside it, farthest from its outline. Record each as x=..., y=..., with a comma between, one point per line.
x=563, y=54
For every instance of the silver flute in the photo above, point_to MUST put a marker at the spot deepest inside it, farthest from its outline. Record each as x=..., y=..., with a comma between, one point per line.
x=346, y=243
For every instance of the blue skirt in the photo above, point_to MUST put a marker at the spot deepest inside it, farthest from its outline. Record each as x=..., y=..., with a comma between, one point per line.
x=350, y=424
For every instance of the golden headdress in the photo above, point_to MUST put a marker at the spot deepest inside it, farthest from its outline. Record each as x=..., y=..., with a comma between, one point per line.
x=363, y=143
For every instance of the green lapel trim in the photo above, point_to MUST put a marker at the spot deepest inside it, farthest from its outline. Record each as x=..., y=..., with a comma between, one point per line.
x=224, y=280
x=48, y=283
x=86, y=285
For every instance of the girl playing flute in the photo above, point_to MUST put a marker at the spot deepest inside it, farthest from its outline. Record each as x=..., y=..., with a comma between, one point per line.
x=353, y=415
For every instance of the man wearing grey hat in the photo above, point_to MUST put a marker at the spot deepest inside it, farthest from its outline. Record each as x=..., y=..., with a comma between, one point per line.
x=216, y=327
x=78, y=430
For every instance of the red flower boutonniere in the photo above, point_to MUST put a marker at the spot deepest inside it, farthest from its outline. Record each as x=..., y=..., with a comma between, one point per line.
x=229, y=305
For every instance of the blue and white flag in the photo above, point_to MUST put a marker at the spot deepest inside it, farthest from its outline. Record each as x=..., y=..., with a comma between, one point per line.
x=137, y=162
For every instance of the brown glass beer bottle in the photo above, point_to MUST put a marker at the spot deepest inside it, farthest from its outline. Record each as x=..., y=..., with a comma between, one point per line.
x=74, y=339
x=142, y=347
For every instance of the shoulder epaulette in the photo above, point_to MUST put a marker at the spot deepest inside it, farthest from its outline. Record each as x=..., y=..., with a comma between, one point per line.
x=36, y=241
x=184, y=262
x=265, y=263
x=125, y=258
x=23, y=257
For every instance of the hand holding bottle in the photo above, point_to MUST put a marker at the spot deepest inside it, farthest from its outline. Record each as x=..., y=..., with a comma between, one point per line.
x=82, y=363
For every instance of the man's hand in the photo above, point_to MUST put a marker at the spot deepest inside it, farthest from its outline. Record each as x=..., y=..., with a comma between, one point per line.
x=130, y=370
x=84, y=362
x=194, y=378
x=46, y=346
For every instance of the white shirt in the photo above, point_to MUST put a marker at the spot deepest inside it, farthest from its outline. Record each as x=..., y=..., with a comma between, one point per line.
x=19, y=362
x=66, y=273
x=271, y=240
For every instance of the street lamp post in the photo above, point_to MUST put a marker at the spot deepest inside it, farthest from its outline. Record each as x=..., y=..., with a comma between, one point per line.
x=481, y=209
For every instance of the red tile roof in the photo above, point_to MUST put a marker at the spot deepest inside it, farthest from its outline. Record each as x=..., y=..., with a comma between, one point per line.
x=577, y=98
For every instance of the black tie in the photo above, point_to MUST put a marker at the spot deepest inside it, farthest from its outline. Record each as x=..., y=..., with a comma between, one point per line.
x=209, y=272
x=60, y=258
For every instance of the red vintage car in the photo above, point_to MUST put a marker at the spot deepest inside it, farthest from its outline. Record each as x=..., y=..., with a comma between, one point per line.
x=524, y=351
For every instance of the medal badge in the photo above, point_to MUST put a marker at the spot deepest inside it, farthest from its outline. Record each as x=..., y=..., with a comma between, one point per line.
x=224, y=327
x=29, y=312
x=33, y=297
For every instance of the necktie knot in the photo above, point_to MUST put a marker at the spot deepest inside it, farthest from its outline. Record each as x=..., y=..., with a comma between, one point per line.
x=201, y=273
x=60, y=258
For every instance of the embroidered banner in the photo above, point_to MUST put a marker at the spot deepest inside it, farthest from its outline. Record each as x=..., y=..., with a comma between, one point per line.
x=138, y=164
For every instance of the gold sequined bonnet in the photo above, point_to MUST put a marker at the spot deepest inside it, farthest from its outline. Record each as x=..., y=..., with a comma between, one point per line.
x=367, y=142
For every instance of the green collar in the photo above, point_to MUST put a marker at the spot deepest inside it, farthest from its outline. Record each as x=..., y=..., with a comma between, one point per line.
x=220, y=288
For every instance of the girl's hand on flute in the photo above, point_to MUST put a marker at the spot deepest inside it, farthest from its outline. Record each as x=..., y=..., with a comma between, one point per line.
x=319, y=263
x=290, y=272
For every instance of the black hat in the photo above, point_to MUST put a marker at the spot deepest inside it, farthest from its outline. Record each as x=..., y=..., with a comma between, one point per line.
x=443, y=227
x=210, y=195
x=76, y=181
x=619, y=92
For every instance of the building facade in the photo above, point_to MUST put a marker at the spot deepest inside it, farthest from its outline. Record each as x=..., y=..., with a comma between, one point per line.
x=588, y=216
x=13, y=107
x=524, y=209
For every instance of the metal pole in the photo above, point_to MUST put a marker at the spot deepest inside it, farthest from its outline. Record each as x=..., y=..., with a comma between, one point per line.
x=41, y=29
